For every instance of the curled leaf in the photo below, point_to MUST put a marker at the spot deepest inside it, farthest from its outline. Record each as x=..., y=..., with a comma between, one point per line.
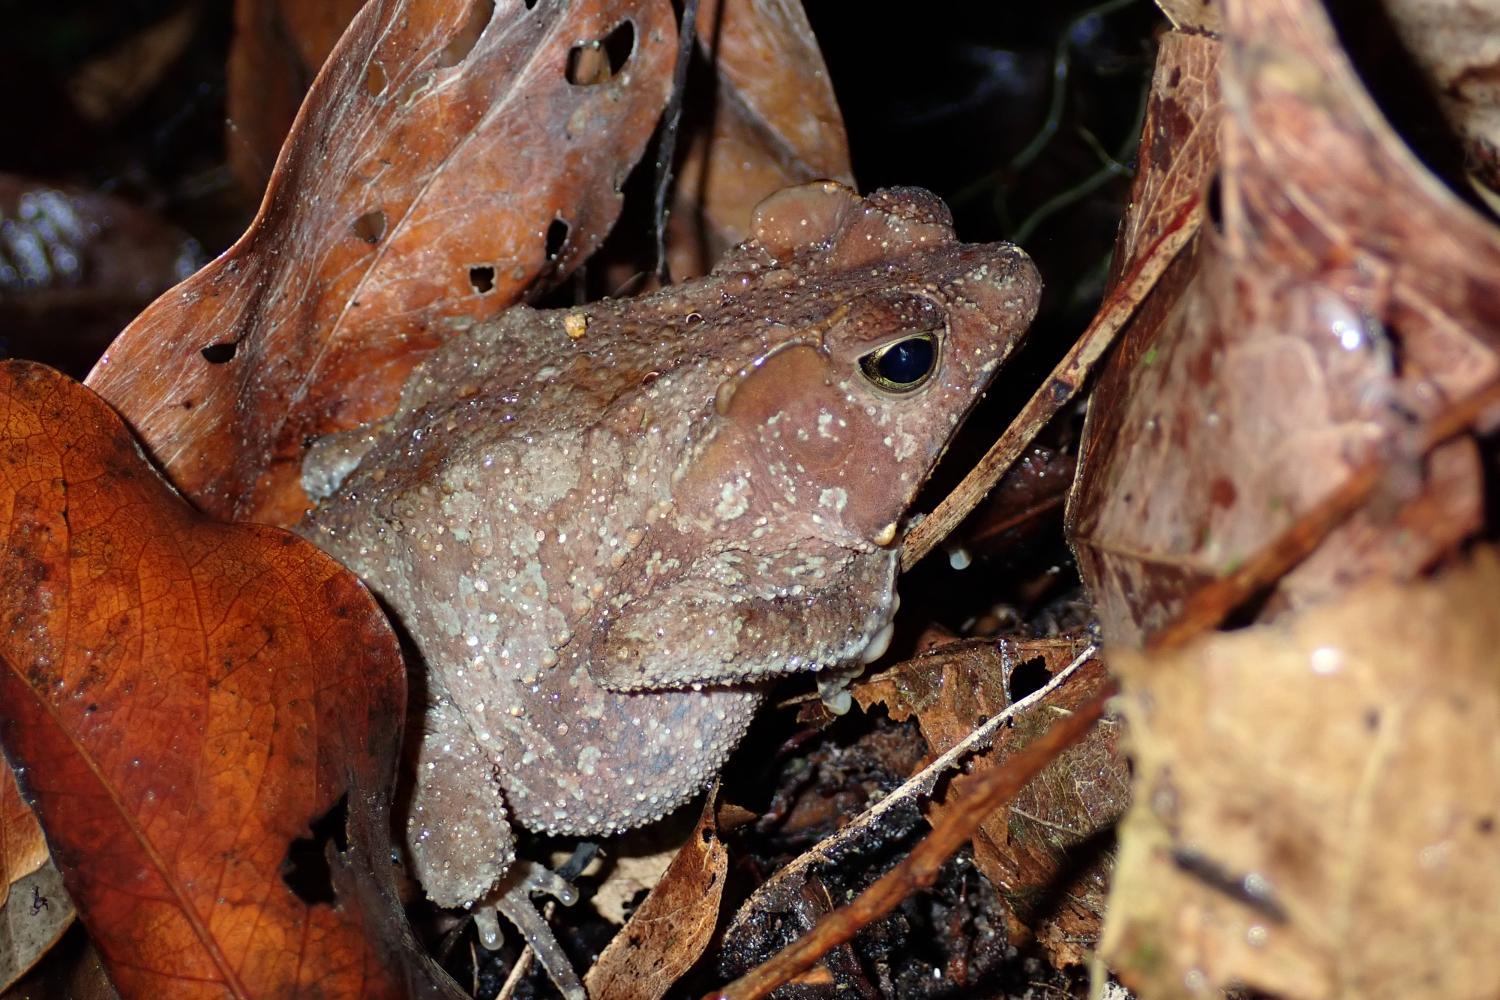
x=34, y=908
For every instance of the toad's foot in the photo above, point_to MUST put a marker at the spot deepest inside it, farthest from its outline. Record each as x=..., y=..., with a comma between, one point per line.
x=513, y=898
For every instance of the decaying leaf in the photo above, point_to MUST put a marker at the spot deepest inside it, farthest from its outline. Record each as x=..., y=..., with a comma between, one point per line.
x=760, y=132
x=1177, y=147
x=1239, y=406
x=449, y=158
x=278, y=47
x=34, y=907
x=1179, y=151
x=1193, y=15
x=1317, y=801
x=184, y=699
x=1023, y=847
x=669, y=931
x=630, y=877
x=1457, y=48
x=832, y=932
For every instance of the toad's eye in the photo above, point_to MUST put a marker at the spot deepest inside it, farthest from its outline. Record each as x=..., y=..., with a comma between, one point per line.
x=903, y=365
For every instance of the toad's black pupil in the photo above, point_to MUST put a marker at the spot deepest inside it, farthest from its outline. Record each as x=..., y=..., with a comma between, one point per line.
x=907, y=361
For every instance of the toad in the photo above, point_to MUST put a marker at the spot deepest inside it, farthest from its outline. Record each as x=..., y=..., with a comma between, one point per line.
x=607, y=529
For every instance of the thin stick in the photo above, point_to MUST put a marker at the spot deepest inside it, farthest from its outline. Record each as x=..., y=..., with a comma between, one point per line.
x=1057, y=391
x=1208, y=605
x=922, y=783
x=920, y=868
x=666, y=147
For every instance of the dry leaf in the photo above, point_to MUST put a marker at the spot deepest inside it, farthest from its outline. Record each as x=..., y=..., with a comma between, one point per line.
x=630, y=877
x=184, y=699
x=1237, y=408
x=449, y=158
x=1317, y=802
x=669, y=930
x=1023, y=847
x=919, y=869
x=1177, y=149
x=1457, y=47
x=762, y=131
x=1193, y=15
x=277, y=49
x=34, y=908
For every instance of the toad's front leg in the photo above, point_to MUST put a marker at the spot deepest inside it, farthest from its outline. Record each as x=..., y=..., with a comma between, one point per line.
x=461, y=847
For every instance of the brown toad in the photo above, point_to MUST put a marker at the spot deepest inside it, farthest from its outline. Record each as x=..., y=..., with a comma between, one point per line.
x=607, y=528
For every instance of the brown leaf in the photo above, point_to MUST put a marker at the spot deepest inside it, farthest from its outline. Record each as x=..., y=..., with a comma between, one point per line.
x=920, y=868
x=669, y=930
x=34, y=909
x=184, y=698
x=444, y=164
x=1193, y=15
x=1176, y=148
x=773, y=122
x=277, y=49
x=1024, y=846
x=1179, y=150
x=1237, y=408
x=1316, y=802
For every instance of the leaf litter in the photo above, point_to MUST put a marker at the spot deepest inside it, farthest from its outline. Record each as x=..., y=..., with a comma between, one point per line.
x=1254, y=393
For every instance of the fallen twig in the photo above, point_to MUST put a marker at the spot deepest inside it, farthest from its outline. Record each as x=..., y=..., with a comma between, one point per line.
x=920, y=868
x=1065, y=381
x=922, y=783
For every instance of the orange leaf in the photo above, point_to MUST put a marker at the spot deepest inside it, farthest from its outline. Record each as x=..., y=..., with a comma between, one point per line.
x=182, y=699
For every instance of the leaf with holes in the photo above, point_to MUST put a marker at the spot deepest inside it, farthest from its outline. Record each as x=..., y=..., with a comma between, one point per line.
x=668, y=932
x=449, y=158
x=183, y=699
